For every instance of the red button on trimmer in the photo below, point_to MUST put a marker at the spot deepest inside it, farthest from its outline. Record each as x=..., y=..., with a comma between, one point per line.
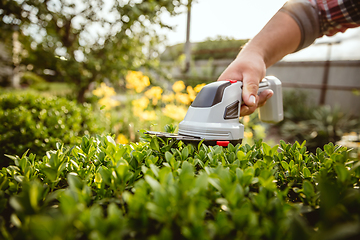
x=233, y=81
x=222, y=143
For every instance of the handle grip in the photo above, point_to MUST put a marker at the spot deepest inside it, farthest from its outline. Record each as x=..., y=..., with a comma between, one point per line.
x=272, y=111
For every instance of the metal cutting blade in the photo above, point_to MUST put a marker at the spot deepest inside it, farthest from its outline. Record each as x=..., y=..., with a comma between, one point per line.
x=192, y=139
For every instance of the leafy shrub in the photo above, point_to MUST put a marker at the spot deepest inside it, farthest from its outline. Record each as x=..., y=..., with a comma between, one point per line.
x=168, y=190
x=35, y=122
x=217, y=48
x=298, y=105
x=317, y=125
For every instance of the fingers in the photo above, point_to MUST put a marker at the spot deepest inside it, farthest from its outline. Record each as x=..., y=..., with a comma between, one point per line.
x=264, y=96
x=245, y=110
x=260, y=101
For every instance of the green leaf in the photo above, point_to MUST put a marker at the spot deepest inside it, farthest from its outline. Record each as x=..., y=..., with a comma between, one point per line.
x=139, y=156
x=155, y=170
x=283, y=145
x=111, y=140
x=268, y=183
x=154, y=144
x=98, y=178
x=342, y=172
x=54, y=160
x=15, y=220
x=68, y=203
x=122, y=168
x=260, y=201
x=50, y=173
x=274, y=149
x=23, y=163
x=168, y=157
x=152, y=160
x=266, y=149
x=34, y=194
x=231, y=157
x=14, y=158
x=19, y=178
x=329, y=149
x=285, y=165
x=25, y=153
x=328, y=163
x=170, y=128
x=241, y=155
x=291, y=164
x=174, y=164
x=74, y=181
x=231, y=148
x=185, y=153
x=202, y=182
x=120, y=152
x=215, y=183
x=105, y=174
x=200, y=144
x=58, y=146
x=85, y=144
x=308, y=189
x=154, y=184
x=306, y=172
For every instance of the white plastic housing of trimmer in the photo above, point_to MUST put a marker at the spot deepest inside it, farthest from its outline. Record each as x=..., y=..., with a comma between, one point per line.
x=272, y=111
x=214, y=114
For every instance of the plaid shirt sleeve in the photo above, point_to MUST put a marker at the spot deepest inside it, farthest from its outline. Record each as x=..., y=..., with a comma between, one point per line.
x=317, y=18
x=337, y=15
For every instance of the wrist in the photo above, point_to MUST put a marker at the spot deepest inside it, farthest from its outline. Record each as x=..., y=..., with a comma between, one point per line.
x=253, y=56
x=256, y=49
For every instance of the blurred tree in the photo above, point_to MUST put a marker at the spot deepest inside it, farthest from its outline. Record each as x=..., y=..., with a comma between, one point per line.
x=220, y=47
x=83, y=41
x=5, y=65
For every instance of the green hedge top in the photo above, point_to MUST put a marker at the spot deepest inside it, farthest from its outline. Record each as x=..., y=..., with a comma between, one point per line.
x=36, y=122
x=218, y=48
x=168, y=190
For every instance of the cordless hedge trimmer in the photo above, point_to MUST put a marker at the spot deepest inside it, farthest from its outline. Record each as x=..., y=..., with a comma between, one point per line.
x=213, y=117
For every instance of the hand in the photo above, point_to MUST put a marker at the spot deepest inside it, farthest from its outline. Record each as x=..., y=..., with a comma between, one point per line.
x=249, y=67
x=280, y=36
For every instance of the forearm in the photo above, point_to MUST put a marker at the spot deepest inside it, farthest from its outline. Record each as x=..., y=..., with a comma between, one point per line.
x=295, y=26
x=280, y=36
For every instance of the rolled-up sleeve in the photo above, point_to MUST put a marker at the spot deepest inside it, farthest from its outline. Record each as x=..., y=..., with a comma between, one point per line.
x=306, y=16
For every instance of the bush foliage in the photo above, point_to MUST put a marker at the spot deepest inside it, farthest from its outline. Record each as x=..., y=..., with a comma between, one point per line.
x=217, y=48
x=36, y=122
x=317, y=125
x=168, y=190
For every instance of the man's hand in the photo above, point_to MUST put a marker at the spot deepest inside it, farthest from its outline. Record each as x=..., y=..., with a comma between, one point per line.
x=280, y=36
x=250, y=69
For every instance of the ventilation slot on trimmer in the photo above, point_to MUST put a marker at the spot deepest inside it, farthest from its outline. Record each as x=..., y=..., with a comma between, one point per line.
x=232, y=111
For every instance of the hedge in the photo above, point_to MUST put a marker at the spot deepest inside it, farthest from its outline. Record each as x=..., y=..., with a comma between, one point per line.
x=37, y=122
x=168, y=190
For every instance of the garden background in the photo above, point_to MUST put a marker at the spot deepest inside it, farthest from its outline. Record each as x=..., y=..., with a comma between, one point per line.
x=81, y=80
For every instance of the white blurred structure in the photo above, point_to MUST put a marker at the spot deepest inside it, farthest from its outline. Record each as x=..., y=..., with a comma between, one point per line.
x=344, y=46
x=329, y=70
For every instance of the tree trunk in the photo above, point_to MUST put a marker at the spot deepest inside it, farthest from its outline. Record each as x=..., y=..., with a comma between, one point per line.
x=81, y=94
x=188, y=43
x=15, y=79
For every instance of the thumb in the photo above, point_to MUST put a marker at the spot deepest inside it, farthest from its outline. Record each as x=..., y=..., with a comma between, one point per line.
x=250, y=89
